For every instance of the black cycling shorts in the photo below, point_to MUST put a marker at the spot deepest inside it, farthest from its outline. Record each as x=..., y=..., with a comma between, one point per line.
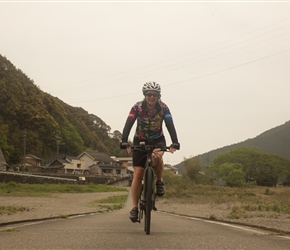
x=139, y=157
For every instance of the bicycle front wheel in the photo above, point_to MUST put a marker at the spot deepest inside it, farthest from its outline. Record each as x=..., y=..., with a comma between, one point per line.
x=148, y=196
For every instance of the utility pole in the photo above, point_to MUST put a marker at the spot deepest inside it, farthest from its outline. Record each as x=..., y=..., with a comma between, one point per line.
x=58, y=141
x=24, y=148
x=57, y=149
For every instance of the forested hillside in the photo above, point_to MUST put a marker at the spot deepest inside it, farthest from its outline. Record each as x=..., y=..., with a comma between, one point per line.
x=275, y=141
x=35, y=122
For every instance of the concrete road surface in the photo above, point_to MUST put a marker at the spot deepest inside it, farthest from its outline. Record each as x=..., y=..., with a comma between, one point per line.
x=114, y=230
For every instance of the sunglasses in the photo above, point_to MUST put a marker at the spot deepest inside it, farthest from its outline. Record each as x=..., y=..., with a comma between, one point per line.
x=152, y=94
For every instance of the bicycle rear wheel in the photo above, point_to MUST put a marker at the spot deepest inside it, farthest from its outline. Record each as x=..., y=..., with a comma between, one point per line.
x=148, y=197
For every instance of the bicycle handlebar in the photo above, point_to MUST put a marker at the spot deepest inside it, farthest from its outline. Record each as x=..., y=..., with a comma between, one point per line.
x=149, y=147
x=144, y=147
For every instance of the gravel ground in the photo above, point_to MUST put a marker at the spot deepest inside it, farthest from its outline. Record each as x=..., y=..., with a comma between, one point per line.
x=277, y=222
x=55, y=205
x=58, y=205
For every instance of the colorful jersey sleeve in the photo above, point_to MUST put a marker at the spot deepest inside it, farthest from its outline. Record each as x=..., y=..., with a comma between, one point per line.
x=129, y=122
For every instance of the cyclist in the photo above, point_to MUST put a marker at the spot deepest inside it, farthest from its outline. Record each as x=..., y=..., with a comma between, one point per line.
x=150, y=114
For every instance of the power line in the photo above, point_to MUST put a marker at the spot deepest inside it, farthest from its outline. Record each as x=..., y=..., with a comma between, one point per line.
x=106, y=83
x=195, y=78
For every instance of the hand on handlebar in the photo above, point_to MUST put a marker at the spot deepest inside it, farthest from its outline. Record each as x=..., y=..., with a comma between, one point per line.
x=172, y=150
x=126, y=146
x=174, y=147
x=128, y=150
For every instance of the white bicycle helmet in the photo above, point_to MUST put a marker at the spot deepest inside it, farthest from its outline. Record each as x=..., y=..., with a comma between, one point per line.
x=154, y=86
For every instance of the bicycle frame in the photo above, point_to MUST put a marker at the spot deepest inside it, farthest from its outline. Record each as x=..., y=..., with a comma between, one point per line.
x=148, y=195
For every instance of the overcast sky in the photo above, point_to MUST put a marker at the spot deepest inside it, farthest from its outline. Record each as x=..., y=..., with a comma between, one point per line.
x=223, y=66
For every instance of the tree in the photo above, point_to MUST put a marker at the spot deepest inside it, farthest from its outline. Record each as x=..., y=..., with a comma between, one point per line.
x=192, y=167
x=4, y=146
x=256, y=165
x=232, y=174
x=117, y=135
x=271, y=167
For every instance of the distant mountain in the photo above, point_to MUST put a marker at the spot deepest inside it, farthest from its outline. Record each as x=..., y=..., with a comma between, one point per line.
x=275, y=141
x=32, y=121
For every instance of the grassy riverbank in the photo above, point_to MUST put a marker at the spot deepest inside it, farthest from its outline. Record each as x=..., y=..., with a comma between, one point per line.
x=242, y=202
x=24, y=189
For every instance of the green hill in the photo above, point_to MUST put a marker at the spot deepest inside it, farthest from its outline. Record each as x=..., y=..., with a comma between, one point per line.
x=275, y=141
x=35, y=122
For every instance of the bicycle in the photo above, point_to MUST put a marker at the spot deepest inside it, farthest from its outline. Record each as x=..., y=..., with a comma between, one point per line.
x=148, y=195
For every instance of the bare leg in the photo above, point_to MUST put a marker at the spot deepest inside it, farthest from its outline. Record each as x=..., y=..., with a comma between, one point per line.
x=136, y=185
x=158, y=163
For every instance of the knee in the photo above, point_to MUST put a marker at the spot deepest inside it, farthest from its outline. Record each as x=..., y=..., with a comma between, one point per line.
x=157, y=159
x=138, y=173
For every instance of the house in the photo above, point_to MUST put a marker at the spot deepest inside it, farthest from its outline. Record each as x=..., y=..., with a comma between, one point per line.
x=32, y=163
x=73, y=165
x=125, y=162
x=93, y=163
x=101, y=164
x=107, y=169
x=68, y=165
x=3, y=164
x=57, y=166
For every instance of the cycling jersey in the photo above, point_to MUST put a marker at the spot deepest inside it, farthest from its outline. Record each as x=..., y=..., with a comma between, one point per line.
x=149, y=124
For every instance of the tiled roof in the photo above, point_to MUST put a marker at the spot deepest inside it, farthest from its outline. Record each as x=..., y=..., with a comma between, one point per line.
x=33, y=156
x=63, y=160
x=106, y=165
x=53, y=167
x=100, y=157
x=58, y=162
x=71, y=157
